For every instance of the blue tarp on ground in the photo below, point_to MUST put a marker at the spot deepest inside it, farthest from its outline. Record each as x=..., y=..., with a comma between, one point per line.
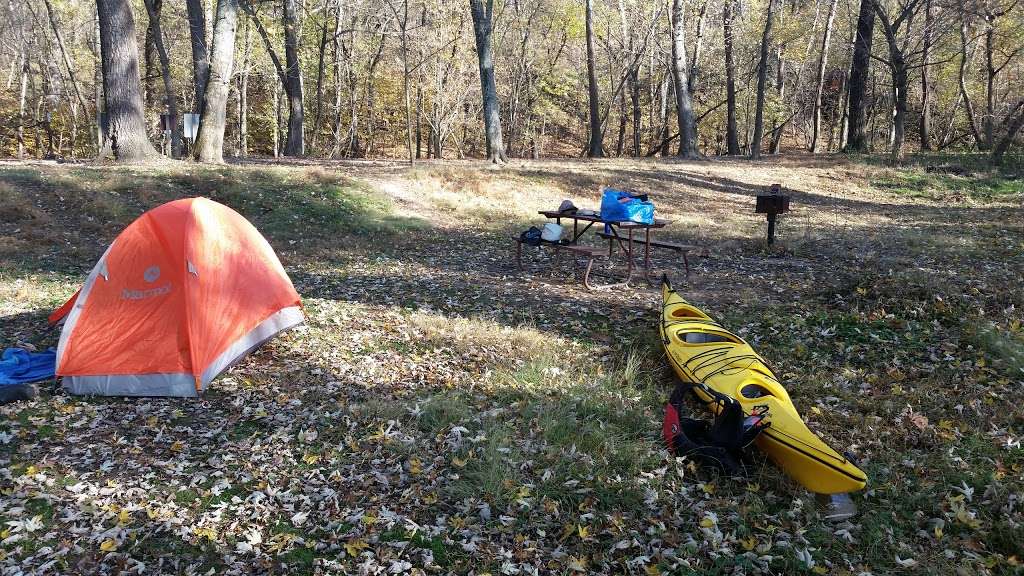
x=19, y=366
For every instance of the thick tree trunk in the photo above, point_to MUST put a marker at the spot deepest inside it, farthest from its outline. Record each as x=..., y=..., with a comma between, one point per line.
x=856, y=140
x=595, y=148
x=731, y=134
x=200, y=54
x=762, y=82
x=820, y=79
x=126, y=123
x=153, y=10
x=293, y=79
x=210, y=140
x=925, y=127
x=492, y=118
x=680, y=71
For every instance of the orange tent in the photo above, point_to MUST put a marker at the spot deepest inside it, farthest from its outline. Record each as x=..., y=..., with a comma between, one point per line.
x=184, y=292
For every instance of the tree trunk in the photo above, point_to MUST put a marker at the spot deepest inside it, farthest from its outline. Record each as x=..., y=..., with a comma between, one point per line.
x=989, y=121
x=595, y=149
x=900, y=84
x=277, y=120
x=926, y=95
x=762, y=82
x=492, y=118
x=680, y=71
x=79, y=100
x=1013, y=125
x=126, y=133
x=968, y=104
x=856, y=140
x=698, y=43
x=731, y=134
x=153, y=10
x=634, y=95
x=336, y=70
x=320, y=73
x=149, y=59
x=210, y=140
x=243, y=93
x=419, y=123
x=294, y=146
x=822, y=65
x=22, y=96
x=200, y=54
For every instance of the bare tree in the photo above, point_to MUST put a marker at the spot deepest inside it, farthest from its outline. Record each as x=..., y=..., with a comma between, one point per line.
x=126, y=137
x=731, y=133
x=482, y=27
x=290, y=73
x=210, y=140
x=684, y=105
x=762, y=82
x=595, y=149
x=200, y=54
x=820, y=78
x=860, y=68
x=157, y=37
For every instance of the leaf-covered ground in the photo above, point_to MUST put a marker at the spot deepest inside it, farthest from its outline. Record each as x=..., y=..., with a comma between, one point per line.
x=441, y=413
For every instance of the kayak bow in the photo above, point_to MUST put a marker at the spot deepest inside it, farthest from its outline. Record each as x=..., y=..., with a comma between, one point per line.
x=704, y=353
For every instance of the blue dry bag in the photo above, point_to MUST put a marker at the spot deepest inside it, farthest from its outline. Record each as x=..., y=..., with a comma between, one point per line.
x=619, y=206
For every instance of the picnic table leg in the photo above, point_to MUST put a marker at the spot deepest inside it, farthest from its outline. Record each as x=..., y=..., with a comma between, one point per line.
x=629, y=267
x=586, y=274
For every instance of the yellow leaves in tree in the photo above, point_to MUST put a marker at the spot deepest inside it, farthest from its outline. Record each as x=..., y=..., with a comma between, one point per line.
x=355, y=546
x=108, y=545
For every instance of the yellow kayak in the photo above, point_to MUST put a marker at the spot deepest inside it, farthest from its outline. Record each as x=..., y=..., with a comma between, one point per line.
x=704, y=353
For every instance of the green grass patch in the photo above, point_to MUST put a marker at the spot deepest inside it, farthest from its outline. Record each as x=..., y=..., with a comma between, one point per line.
x=937, y=186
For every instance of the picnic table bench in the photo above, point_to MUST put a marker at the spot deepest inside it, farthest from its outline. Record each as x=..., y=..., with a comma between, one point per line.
x=681, y=249
x=590, y=253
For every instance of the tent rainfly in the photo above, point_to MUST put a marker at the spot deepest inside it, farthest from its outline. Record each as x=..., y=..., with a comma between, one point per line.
x=184, y=292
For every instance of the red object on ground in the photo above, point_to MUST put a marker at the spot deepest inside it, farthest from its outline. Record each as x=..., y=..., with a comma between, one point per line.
x=184, y=292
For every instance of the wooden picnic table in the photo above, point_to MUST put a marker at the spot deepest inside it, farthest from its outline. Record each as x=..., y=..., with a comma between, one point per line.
x=612, y=234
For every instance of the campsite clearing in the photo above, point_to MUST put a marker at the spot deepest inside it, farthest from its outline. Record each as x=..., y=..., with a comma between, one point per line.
x=440, y=411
